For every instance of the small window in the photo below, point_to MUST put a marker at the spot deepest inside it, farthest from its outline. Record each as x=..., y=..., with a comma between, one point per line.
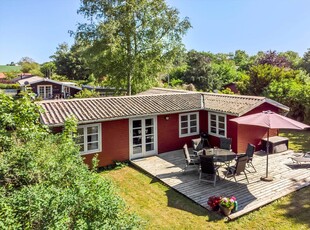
x=188, y=124
x=89, y=138
x=217, y=124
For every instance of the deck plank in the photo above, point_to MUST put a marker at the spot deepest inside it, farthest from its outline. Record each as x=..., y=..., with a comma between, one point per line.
x=288, y=177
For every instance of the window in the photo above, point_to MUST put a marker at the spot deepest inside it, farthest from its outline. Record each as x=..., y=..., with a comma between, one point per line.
x=217, y=124
x=188, y=124
x=45, y=91
x=89, y=138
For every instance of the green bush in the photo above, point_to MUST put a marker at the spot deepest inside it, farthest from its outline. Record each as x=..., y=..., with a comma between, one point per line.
x=44, y=182
x=9, y=86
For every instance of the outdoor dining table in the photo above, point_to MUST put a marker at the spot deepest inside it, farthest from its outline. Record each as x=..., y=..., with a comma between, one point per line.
x=221, y=155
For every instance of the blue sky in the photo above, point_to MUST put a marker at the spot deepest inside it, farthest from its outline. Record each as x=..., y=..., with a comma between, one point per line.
x=34, y=28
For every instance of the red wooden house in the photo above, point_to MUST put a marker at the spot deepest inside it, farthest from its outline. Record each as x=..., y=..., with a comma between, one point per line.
x=161, y=120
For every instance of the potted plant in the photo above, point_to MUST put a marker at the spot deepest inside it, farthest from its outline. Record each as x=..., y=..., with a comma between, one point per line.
x=227, y=204
x=213, y=202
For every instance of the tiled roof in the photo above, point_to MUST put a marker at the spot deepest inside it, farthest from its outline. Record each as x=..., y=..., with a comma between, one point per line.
x=99, y=109
x=2, y=75
x=235, y=104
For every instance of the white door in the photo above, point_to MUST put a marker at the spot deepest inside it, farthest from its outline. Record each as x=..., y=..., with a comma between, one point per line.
x=45, y=91
x=143, y=137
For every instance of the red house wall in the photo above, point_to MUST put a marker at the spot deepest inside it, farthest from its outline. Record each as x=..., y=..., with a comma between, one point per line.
x=168, y=133
x=242, y=135
x=253, y=134
x=115, y=143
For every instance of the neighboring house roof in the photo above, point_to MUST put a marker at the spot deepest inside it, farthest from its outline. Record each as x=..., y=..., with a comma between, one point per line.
x=110, y=108
x=29, y=80
x=2, y=76
x=37, y=79
x=99, y=109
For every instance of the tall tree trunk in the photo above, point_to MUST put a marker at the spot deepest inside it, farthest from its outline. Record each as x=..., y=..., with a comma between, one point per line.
x=129, y=83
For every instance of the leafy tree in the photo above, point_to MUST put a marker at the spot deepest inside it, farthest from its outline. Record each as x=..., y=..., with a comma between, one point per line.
x=262, y=75
x=293, y=92
x=47, y=69
x=70, y=62
x=44, y=182
x=305, y=63
x=28, y=65
x=130, y=42
x=274, y=59
x=242, y=60
x=293, y=58
x=209, y=72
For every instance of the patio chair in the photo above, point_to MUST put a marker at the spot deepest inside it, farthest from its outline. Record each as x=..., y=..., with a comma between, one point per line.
x=197, y=146
x=208, y=171
x=225, y=143
x=238, y=168
x=204, y=137
x=190, y=159
x=250, y=153
x=305, y=158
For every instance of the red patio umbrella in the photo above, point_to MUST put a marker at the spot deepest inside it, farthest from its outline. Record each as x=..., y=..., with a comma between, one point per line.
x=269, y=120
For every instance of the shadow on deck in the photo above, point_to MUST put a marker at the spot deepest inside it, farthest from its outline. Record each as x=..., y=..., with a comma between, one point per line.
x=288, y=178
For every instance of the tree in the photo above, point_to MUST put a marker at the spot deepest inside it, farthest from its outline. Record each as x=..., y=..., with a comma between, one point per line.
x=30, y=66
x=209, y=72
x=292, y=57
x=306, y=61
x=293, y=92
x=129, y=41
x=262, y=75
x=48, y=68
x=44, y=182
x=274, y=59
x=242, y=60
x=70, y=62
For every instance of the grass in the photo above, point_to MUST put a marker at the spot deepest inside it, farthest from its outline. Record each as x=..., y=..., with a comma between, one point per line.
x=5, y=68
x=163, y=208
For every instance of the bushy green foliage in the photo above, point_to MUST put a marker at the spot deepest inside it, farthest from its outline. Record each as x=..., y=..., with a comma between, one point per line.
x=44, y=182
x=85, y=93
x=9, y=86
x=28, y=65
x=209, y=72
x=69, y=62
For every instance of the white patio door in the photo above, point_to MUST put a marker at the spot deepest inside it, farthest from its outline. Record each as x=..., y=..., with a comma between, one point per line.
x=45, y=91
x=143, y=137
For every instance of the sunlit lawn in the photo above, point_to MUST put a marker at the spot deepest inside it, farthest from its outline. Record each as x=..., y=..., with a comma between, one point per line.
x=162, y=208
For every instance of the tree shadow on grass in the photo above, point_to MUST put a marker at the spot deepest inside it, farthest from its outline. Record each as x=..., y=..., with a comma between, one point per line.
x=298, y=208
x=179, y=201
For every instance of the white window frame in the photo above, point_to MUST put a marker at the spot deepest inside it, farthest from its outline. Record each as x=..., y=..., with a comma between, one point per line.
x=188, y=124
x=217, y=124
x=44, y=96
x=85, y=152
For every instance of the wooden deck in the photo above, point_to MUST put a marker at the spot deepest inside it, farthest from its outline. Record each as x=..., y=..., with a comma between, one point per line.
x=288, y=177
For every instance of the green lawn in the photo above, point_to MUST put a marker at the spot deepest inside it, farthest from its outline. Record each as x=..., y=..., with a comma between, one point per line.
x=162, y=208
x=5, y=68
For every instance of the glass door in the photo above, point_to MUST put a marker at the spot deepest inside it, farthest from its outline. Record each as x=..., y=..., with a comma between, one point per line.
x=143, y=137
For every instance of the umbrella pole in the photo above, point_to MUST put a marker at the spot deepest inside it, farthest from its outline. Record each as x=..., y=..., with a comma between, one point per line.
x=267, y=178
